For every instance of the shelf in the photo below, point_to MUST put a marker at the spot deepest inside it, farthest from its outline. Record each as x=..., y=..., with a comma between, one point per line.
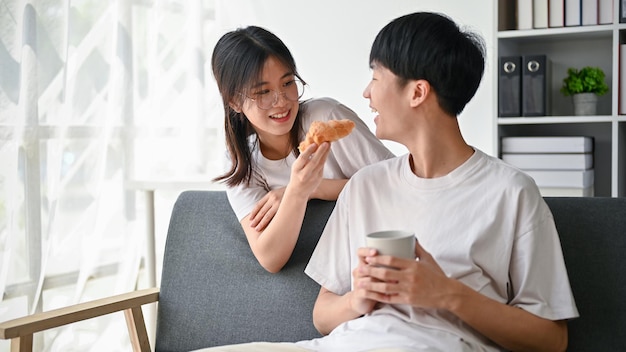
x=578, y=32
x=558, y=119
x=565, y=47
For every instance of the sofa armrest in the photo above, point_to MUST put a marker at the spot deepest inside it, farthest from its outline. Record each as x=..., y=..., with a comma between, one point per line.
x=21, y=330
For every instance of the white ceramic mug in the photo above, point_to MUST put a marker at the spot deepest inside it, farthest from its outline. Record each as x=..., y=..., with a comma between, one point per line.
x=394, y=242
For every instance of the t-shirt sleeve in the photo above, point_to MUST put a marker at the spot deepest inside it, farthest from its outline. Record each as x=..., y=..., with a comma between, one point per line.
x=539, y=279
x=330, y=264
x=243, y=198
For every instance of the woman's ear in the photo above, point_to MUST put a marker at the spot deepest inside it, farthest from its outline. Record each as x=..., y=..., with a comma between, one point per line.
x=418, y=90
x=235, y=107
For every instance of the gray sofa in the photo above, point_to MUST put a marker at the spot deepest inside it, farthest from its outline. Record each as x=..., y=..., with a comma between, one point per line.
x=214, y=292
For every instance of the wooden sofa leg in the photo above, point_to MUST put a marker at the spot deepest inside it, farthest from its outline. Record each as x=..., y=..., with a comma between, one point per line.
x=22, y=344
x=137, y=329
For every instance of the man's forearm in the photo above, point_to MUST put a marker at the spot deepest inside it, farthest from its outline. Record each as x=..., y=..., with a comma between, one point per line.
x=511, y=327
x=331, y=310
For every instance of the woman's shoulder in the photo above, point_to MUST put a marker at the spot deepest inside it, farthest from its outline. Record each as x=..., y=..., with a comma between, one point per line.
x=319, y=106
x=326, y=109
x=321, y=103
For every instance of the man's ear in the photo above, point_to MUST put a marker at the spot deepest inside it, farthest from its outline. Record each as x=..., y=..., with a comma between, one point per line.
x=419, y=91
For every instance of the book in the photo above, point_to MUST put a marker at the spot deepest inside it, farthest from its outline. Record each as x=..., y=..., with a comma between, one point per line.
x=545, y=161
x=567, y=192
x=589, y=12
x=506, y=15
x=524, y=14
x=573, y=13
x=534, y=92
x=556, y=12
x=540, y=13
x=510, y=86
x=562, y=178
x=605, y=11
x=547, y=144
x=622, y=80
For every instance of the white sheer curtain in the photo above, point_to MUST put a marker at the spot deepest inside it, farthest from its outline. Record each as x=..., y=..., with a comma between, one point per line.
x=94, y=94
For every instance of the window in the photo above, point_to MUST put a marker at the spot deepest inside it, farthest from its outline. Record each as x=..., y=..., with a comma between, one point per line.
x=94, y=94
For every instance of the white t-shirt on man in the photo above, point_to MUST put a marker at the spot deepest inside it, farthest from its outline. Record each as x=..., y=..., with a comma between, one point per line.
x=347, y=156
x=485, y=223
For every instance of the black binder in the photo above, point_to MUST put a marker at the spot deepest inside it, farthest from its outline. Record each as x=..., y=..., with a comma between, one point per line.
x=510, y=86
x=534, y=92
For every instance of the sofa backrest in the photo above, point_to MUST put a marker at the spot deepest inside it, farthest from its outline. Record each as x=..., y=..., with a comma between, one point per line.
x=213, y=290
x=593, y=238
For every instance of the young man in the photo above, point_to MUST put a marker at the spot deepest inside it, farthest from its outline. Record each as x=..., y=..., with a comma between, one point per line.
x=489, y=273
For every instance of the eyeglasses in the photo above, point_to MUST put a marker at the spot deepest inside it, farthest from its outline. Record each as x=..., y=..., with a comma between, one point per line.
x=266, y=98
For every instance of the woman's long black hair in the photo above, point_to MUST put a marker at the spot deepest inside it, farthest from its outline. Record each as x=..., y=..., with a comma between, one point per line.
x=237, y=62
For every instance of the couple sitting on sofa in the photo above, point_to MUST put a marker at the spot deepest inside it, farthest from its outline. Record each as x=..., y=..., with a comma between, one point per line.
x=489, y=273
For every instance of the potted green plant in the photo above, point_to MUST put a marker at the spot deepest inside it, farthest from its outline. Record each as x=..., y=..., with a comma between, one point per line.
x=584, y=85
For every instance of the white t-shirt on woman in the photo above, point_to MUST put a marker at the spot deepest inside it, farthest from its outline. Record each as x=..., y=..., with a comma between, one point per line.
x=347, y=156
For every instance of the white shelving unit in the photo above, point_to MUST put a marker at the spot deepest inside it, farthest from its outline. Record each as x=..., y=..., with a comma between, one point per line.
x=575, y=47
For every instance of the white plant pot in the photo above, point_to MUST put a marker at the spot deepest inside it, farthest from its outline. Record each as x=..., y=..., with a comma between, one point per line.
x=585, y=104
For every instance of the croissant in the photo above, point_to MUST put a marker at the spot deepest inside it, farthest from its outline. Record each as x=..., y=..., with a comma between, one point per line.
x=330, y=131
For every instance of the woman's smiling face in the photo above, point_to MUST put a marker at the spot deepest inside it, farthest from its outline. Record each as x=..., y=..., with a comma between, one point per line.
x=274, y=122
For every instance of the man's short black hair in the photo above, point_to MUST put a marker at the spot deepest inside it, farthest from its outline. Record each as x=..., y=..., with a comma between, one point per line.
x=432, y=47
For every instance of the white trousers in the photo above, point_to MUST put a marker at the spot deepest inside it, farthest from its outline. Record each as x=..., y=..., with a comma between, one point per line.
x=276, y=347
x=257, y=347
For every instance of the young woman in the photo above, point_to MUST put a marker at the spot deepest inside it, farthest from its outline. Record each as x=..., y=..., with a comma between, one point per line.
x=269, y=181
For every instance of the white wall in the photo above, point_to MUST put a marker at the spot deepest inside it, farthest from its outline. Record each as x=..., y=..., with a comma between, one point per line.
x=331, y=39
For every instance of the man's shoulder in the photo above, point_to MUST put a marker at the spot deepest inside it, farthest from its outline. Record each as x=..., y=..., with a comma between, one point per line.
x=508, y=171
x=509, y=177
x=386, y=168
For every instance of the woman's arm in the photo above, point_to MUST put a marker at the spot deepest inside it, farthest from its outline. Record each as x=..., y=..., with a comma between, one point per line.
x=273, y=245
x=265, y=210
x=329, y=189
